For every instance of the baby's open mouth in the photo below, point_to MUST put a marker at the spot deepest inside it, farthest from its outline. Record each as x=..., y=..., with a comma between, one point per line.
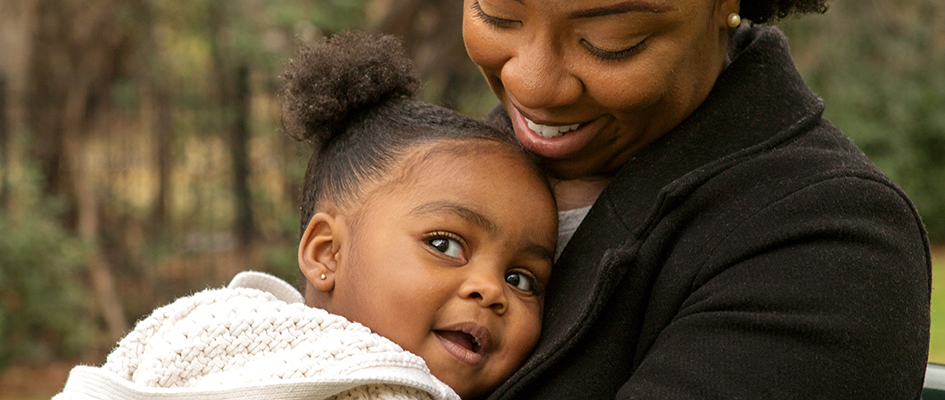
x=467, y=342
x=463, y=339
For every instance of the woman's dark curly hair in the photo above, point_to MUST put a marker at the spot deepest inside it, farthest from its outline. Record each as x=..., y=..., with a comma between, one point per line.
x=761, y=11
x=349, y=97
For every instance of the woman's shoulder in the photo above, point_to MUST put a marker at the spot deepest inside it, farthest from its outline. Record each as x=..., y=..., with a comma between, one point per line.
x=817, y=153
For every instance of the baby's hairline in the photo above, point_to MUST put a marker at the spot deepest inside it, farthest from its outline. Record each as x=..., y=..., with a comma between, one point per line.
x=413, y=158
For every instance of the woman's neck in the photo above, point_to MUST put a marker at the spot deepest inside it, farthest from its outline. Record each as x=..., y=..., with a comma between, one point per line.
x=578, y=193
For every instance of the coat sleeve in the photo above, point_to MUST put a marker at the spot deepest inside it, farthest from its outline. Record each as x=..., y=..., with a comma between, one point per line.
x=823, y=293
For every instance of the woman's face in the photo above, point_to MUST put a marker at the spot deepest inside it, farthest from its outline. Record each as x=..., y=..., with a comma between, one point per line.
x=588, y=83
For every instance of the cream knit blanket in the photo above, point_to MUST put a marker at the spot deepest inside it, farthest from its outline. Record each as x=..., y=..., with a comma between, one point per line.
x=240, y=342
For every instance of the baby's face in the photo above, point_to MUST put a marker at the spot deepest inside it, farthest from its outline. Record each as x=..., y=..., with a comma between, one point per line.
x=451, y=264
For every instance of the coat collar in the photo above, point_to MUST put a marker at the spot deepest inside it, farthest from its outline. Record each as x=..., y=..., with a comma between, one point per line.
x=759, y=101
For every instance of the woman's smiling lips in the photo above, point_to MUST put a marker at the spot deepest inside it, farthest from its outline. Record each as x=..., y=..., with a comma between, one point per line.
x=550, y=131
x=553, y=141
x=468, y=342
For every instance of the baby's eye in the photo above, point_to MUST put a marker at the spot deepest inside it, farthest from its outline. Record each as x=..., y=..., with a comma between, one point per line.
x=521, y=281
x=447, y=246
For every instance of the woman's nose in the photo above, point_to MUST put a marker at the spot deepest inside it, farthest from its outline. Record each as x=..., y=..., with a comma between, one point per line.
x=538, y=77
x=487, y=290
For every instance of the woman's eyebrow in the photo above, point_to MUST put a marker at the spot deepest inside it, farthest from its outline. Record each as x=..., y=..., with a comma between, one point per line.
x=459, y=210
x=623, y=8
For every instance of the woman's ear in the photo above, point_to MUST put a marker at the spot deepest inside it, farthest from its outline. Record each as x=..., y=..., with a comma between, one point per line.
x=318, y=250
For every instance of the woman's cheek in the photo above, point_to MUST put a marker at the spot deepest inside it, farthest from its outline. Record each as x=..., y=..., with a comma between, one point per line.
x=482, y=45
x=626, y=89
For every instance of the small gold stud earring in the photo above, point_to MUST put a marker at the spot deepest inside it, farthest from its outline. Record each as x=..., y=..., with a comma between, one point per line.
x=323, y=277
x=734, y=20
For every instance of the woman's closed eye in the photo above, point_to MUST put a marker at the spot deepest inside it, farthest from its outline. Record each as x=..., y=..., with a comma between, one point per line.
x=605, y=55
x=449, y=244
x=495, y=22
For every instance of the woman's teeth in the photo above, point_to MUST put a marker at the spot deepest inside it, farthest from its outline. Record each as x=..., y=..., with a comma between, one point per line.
x=550, y=131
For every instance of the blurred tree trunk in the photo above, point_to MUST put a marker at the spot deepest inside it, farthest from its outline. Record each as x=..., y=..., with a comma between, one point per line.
x=239, y=149
x=78, y=49
x=87, y=217
x=401, y=17
x=434, y=37
x=163, y=141
x=45, y=94
x=4, y=145
x=161, y=99
x=233, y=100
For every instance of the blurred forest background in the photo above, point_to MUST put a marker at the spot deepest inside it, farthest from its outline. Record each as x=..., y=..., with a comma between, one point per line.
x=141, y=156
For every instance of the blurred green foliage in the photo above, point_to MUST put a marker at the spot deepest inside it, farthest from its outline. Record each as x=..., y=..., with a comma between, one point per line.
x=937, y=344
x=880, y=67
x=43, y=300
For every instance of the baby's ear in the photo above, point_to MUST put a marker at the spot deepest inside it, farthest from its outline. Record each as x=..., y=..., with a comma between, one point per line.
x=318, y=250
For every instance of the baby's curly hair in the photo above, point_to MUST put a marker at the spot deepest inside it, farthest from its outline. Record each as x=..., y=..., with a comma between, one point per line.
x=349, y=97
x=761, y=11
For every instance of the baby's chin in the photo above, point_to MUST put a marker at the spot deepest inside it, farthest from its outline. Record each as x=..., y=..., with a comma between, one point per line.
x=467, y=387
x=468, y=392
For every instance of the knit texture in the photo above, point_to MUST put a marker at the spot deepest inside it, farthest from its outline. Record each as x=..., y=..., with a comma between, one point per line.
x=224, y=339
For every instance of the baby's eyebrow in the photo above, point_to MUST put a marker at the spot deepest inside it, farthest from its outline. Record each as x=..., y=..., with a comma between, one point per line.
x=459, y=210
x=537, y=250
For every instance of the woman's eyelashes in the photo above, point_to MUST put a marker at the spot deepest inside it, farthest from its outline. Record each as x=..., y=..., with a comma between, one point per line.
x=495, y=22
x=447, y=243
x=605, y=55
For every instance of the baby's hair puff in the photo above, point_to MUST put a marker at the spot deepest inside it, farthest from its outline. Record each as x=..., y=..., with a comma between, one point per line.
x=332, y=81
x=350, y=97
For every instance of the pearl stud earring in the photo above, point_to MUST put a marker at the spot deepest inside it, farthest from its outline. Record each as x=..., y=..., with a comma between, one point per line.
x=323, y=277
x=734, y=20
